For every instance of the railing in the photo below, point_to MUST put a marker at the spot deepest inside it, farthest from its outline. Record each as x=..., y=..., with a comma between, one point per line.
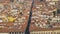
x=38, y=32
x=45, y=32
x=17, y=33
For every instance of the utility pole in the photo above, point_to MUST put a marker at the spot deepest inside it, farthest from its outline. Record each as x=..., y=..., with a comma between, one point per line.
x=29, y=21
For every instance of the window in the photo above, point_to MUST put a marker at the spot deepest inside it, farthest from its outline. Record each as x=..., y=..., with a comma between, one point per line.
x=58, y=11
x=12, y=0
x=41, y=0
